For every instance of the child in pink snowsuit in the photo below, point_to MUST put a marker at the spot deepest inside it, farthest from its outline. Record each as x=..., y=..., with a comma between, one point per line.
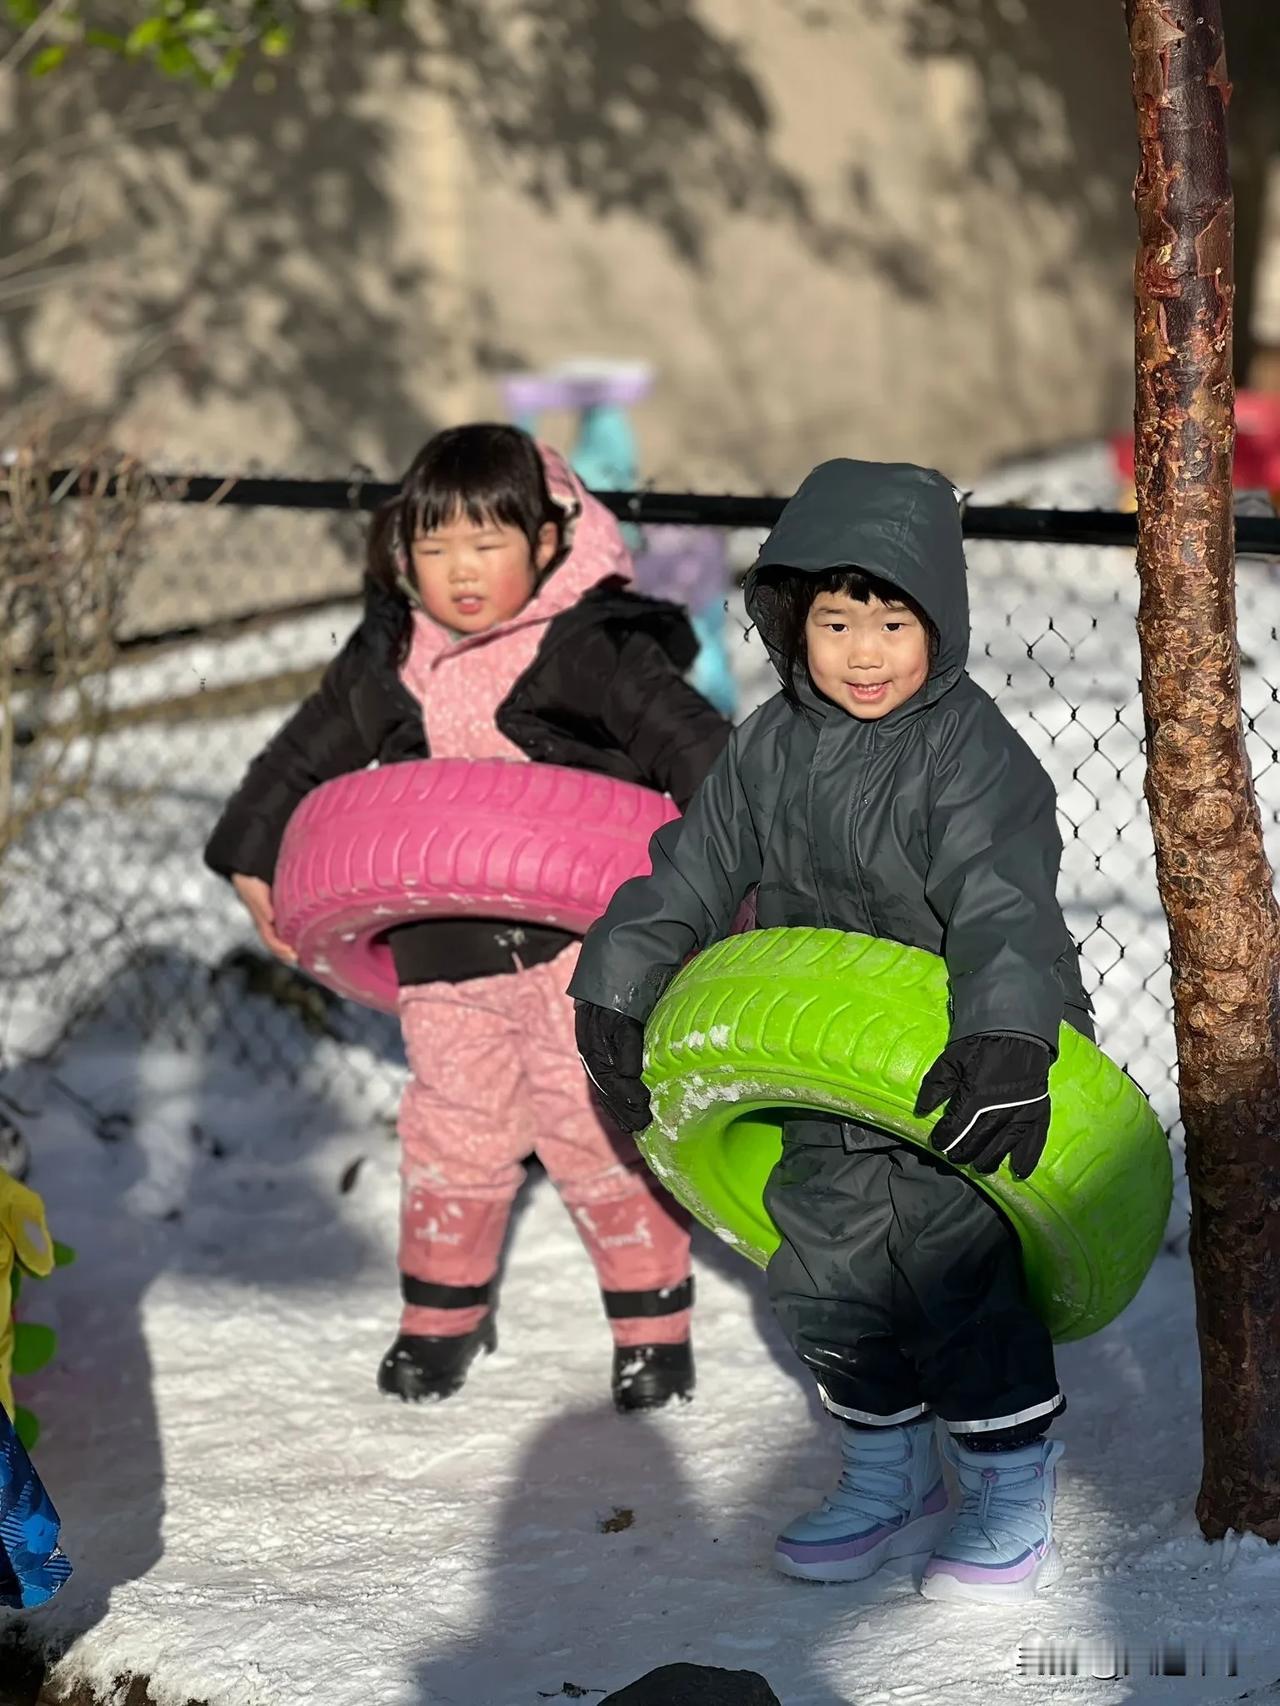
x=499, y=623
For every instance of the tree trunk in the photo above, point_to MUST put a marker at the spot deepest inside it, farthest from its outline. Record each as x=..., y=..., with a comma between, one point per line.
x=1215, y=882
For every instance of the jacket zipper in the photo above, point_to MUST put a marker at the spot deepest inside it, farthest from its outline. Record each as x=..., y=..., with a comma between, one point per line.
x=815, y=865
x=855, y=814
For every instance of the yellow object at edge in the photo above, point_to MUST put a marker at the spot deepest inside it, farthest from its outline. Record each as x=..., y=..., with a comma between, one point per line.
x=24, y=1239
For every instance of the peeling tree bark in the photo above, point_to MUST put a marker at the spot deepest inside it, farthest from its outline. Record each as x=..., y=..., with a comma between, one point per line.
x=1215, y=882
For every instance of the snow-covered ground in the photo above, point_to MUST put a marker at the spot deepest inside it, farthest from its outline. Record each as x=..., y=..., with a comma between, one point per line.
x=253, y=1526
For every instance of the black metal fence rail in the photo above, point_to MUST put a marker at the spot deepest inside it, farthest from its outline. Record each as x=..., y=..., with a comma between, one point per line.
x=247, y=590
x=1255, y=535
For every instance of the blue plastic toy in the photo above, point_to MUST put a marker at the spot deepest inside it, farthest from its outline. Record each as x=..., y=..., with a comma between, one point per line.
x=685, y=564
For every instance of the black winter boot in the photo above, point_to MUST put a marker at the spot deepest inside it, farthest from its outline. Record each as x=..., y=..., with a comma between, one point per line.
x=416, y=1368
x=645, y=1377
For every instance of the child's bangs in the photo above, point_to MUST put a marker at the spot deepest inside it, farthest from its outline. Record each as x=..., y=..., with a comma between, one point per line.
x=856, y=584
x=430, y=511
x=489, y=475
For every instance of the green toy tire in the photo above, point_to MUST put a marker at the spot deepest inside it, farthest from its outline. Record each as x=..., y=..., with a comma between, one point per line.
x=777, y=1021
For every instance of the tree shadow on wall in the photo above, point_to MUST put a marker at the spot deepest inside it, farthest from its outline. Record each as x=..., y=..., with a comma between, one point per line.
x=237, y=247
x=1057, y=123
x=642, y=105
x=635, y=105
x=650, y=108
x=1052, y=129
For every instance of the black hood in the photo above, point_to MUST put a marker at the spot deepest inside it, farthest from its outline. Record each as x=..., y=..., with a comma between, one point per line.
x=891, y=519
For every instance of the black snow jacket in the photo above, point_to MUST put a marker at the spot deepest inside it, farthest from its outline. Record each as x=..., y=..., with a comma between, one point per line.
x=934, y=826
x=605, y=693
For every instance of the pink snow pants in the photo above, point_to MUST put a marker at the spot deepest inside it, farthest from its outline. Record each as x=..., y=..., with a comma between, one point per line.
x=495, y=1077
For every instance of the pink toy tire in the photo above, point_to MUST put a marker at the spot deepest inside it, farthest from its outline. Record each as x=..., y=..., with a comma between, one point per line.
x=451, y=838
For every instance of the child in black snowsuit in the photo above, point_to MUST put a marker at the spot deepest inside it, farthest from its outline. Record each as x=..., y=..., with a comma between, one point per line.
x=882, y=791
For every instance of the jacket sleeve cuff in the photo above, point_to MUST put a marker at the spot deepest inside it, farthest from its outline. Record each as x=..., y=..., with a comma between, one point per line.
x=975, y=1014
x=637, y=1002
x=1025, y=1036
x=251, y=850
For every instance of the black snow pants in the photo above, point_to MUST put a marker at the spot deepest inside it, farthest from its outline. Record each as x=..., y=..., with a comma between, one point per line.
x=901, y=1286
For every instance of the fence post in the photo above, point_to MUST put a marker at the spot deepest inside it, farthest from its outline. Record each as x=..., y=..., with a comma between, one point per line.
x=1215, y=882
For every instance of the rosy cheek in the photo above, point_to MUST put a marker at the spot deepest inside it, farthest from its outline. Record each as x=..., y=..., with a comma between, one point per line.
x=514, y=586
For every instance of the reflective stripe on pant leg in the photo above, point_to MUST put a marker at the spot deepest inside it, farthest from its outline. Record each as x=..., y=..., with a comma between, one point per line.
x=993, y=1424
x=847, y=1414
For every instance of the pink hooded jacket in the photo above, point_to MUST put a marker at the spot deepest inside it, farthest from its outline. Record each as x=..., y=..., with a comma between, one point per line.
x=460, y=683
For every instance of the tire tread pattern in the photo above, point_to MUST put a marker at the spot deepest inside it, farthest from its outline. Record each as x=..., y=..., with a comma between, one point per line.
x=450, y=838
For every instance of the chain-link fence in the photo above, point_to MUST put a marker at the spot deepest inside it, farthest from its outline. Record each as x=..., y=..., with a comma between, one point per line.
x=113, y=926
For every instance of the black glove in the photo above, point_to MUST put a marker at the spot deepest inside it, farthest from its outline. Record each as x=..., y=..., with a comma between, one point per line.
x=612, y=1049
x=997, y=1092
